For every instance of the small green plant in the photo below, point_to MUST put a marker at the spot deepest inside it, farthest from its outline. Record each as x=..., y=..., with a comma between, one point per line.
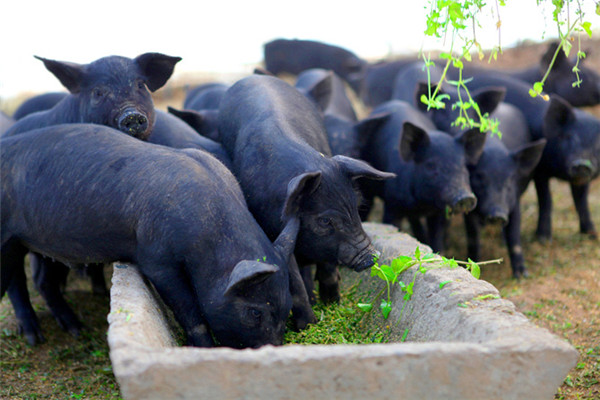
x=424, y=262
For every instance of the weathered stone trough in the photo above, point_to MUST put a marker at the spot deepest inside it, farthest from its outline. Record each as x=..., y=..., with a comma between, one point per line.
x=464, y=342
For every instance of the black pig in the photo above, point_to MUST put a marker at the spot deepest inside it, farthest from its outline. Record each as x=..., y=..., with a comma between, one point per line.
x=499, y=179
x=205, y=97
x=179, y=215
x=204, y=122
x=559, y=80
x=294, y=56
x=274, y=134
x=169, y=130
x=572, y=151
x=430, y=166
x=112, y=91
x=346, y=134
x=37, y=103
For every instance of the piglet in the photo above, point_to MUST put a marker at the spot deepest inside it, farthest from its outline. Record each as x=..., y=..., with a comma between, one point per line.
x=179, y=215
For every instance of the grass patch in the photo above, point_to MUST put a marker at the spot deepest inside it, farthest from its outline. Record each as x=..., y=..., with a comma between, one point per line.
x=342, y=323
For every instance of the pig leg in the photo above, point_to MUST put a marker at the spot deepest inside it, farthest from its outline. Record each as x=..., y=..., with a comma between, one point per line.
x=544, y=227
x=302, y=312
x=47, y=276
x=472, y=228
x=580, y=198
x=11, y=260
x=512, y=236
x=418, y=230
x=328, y=276
x=29, y=325
x=96, y=274
x=308, y=282
x=435, y=230
x=178, y=294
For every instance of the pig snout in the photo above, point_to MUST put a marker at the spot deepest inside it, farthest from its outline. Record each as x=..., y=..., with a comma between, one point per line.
x=581, y=171
x=132, y=122
x=463, y=203
x=497, y=217
x=363, y=259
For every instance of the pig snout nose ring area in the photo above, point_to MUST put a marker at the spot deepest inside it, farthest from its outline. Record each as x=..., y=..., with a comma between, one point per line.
x=464, y=204
x=133, y=122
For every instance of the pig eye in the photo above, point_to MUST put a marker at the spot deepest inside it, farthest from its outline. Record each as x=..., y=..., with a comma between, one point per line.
x=254, y=313
x=98, y=93
x=324, y=221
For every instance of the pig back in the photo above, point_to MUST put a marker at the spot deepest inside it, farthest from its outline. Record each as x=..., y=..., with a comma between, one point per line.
x=95, y=194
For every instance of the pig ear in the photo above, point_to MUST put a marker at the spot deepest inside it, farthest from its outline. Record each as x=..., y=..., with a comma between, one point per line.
x=355, y=169
x=558, y=115
x=413, y=139
x=247, y=273
x=561, y=58
x=320, y=92
x=195, y=119
x=528, y=156
x=367, y=126
x=298, y=189
x=286, y=241
x=157, y=68
x=69, y=74
x=489, y=98
x=473, y=141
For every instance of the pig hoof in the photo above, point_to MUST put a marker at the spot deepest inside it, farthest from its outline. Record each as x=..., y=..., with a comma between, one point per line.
x=520, y=274
x=33, y=335
x=300, y=322
x=544, y=239
x=329, y=294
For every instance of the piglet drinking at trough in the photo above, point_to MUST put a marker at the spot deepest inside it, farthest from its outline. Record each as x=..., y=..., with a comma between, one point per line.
x=179, y=215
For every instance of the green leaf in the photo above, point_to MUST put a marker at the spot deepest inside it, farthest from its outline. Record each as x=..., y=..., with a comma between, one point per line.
x=386, y=308
x=365, y=307
x=388, y=272
x=409, y=291
x=488, y=296
x=442, y=284
x=417, y=253
x=474, y=268
x=538, y=87
x=587, y=26
x=567, y=47
x=404, y=335
x=401, y=264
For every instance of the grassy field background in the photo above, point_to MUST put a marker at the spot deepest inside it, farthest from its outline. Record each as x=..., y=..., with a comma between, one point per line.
x=562, y=294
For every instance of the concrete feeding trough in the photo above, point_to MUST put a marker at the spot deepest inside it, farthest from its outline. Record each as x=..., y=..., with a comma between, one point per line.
x=464, y=342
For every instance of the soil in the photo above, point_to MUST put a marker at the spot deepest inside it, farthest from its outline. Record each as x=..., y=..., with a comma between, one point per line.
x=562, y=294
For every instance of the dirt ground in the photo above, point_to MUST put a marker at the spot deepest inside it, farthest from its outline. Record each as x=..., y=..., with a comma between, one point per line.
x=562, y=295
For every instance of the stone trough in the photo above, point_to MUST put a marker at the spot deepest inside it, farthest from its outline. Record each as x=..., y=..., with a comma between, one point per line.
x=464, y=342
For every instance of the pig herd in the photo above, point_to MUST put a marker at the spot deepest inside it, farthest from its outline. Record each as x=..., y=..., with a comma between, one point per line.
x=226, y=204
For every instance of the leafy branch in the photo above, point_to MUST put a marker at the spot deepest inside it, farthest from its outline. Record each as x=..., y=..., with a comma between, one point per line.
x=452, y=17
